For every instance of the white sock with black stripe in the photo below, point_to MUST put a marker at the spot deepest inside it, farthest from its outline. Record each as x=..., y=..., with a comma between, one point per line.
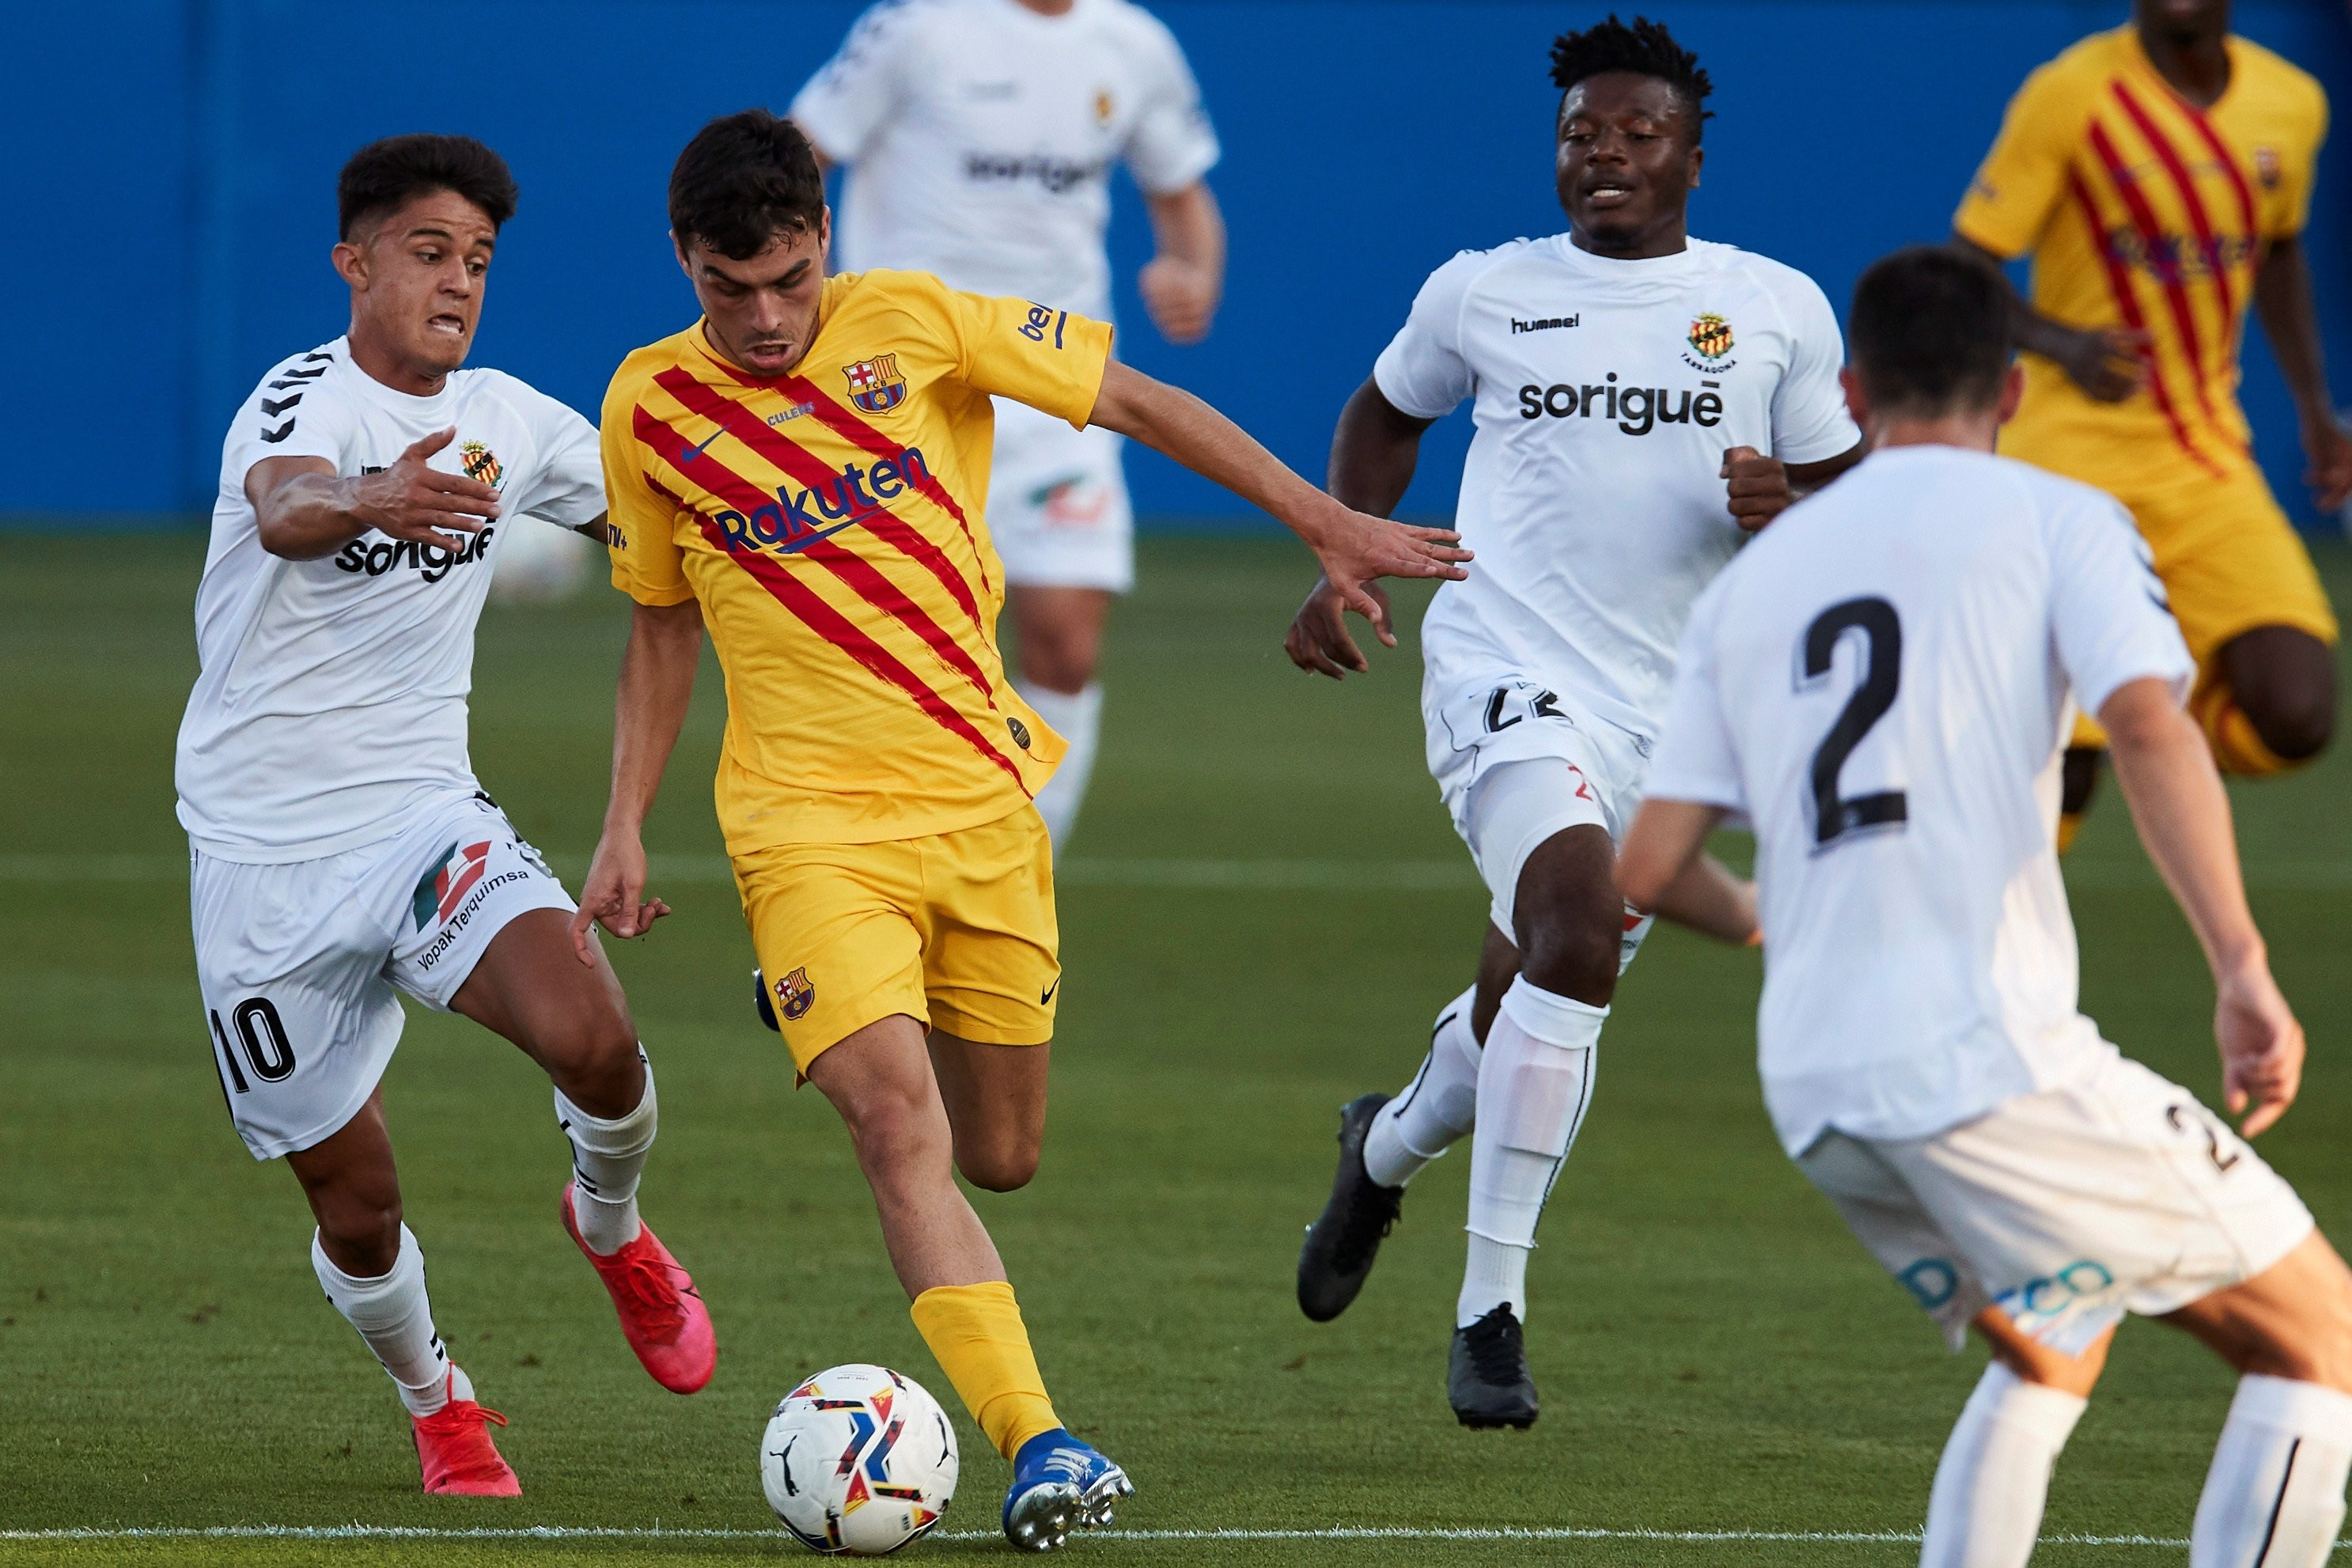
x=1535, y=1081
x=1433, y=1112
x=2275, y=1496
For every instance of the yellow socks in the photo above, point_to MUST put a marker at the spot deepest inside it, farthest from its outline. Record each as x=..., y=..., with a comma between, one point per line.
x=976, y=1334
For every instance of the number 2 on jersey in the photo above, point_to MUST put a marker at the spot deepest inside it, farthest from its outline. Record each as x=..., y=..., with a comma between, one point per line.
x=1834, y=815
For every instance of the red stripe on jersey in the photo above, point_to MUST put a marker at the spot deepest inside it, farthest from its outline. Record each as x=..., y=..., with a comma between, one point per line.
x=2119, y=284
x=793, y=459
x=798, y=461
x=850, y=428
x=2223, y=156
x=2186, y=186
x=795, y=596
x=2167, y=270
x=830, y=624
x=859, y=574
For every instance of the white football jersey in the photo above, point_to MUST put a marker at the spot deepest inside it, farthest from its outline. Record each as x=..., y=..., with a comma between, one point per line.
x=980, y=138
x=1606, y=395
x=1881, y=683
x=332, y=692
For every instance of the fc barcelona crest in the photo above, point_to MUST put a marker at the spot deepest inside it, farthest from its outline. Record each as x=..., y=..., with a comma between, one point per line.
x=795, y=996
x=875, y=384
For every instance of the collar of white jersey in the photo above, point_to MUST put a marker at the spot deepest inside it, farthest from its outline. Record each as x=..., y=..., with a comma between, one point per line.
x=405, y=403
x=1682, y=263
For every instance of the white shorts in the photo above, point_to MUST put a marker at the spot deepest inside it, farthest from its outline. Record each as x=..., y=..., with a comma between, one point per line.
x=1516, y=764
x=300, y=963
x=1057, y=506
x=2067, y=1208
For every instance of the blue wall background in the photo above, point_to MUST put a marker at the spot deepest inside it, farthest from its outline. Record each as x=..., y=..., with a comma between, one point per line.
x=167, y=172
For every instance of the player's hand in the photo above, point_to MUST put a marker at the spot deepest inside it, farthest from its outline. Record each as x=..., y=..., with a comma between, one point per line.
x=1318, y=642
x=1757, y=487
x=1180, y=299
x=410, y=500
x=2329, y=449
x=2261, y=1047
x=614, y=894
x=2108, y=362
x=1355, y=548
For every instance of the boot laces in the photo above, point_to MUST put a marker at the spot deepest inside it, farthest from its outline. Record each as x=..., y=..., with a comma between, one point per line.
x=648, y=1283
x=1366, y=1225
x=1498, y=1349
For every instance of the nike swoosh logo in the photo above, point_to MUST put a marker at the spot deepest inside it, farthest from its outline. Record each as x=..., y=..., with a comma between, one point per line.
x=1049, y=991
x=693, y=452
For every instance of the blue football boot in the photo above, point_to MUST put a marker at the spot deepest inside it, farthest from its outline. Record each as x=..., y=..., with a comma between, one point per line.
x=1060, y=1484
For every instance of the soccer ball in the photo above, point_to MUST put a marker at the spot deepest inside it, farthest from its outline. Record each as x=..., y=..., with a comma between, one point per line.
x=858, y=1460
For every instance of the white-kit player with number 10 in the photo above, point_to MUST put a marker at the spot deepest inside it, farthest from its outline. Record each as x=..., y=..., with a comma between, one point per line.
x=341, y=851
x=1883, y=685
x=1640, y=398
x=979, y=137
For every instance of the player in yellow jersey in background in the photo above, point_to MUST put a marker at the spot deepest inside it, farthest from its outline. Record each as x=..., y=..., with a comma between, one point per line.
x=803, y=470
x=2160, y=176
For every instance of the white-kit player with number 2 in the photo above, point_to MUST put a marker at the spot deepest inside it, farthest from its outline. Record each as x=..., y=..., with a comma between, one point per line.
x=979, y=137
x=342, y=852
x=1883, y=685
x=1640, y=398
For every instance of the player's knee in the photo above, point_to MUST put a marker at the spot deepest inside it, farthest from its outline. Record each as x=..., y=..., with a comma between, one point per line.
x=1059, y=658
x=591, y=1053
x=2294, y=721
x=360, y=1234
x=1005, y=1165
x=1573, y=957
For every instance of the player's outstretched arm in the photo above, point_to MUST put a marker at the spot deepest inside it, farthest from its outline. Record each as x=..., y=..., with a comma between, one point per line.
x=2177, y=801
x=2108, y=362
x=1374, y=454
x=1712, y=900
x=303, y=511
x=1661, y=850
x=655, y=686
x=1354, y=548
x=2282, y=298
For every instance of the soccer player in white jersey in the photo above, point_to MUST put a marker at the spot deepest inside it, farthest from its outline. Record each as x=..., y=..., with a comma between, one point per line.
x=1641, y=397
x=342, y=849
x=979, y=137
x=1882, y=685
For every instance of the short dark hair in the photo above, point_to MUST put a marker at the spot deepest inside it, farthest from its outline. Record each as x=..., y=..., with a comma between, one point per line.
x=1930, y=332
x=744, y=179
x=384, y=176
x=1646, y=48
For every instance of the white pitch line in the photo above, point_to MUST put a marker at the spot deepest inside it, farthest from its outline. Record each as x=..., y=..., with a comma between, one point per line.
x=1334, y=1532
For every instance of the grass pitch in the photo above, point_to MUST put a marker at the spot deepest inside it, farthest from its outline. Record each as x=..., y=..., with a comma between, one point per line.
x=1262, y=911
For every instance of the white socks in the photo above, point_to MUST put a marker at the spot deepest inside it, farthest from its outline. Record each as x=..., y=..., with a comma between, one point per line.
x=394, y=1318
x=607, y=1157
x=1435, y=1109
x=2275, y=1496
x=1986, y=1509
x=1077, y=717
x=1535, y=1079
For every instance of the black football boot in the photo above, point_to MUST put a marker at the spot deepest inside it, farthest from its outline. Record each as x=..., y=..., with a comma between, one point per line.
x=1345, y=1239
x=1487, y=1381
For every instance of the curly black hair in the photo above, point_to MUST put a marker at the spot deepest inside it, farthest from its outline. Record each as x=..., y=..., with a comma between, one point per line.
x=1646, y=48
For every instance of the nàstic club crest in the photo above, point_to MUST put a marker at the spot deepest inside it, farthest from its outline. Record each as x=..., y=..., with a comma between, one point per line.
x=480, y=463
x=1710, y=336
x=875, y=384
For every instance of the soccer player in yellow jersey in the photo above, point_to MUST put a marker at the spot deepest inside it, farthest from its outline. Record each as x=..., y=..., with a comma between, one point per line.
x=2160, y=176
x=803, y=470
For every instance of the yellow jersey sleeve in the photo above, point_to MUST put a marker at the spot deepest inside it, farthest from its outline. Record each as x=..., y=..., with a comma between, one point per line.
x=2025, y=173
x=1050, y=359
x=640, y=521
x=2287, y=204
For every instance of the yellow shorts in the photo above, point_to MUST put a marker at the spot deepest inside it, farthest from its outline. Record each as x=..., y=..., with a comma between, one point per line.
x=2231, y=561
x=955, y=930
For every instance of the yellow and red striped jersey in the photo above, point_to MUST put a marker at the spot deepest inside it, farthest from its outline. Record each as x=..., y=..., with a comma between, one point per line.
x=831, y=523
x=2143, y=211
